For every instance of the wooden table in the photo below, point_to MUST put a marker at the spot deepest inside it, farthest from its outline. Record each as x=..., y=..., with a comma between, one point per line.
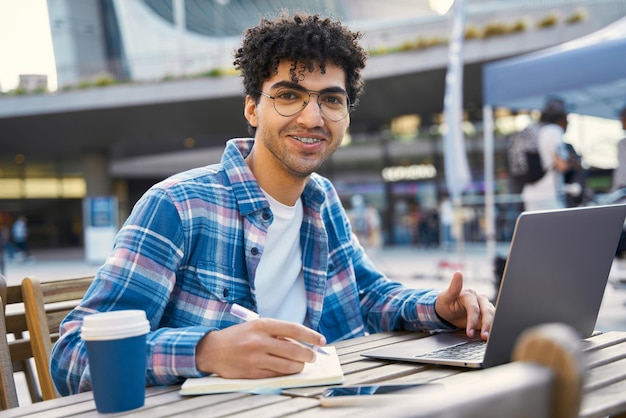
x=605, y=386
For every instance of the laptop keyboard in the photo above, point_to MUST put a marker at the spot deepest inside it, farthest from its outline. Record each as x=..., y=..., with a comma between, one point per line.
x=470, y=350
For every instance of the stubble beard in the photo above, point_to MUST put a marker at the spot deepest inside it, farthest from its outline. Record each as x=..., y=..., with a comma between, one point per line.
x=299, y=166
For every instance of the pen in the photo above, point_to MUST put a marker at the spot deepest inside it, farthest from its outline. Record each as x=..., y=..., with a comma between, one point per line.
x=247, y=315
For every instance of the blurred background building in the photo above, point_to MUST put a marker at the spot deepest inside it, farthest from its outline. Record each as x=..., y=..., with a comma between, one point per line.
x=146, y=88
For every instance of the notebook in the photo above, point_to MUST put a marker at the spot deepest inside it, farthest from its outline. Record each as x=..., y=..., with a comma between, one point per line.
x=556, y=271
x=325, y=371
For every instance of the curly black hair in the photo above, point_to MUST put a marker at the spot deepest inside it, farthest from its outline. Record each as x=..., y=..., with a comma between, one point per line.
x=305, y=40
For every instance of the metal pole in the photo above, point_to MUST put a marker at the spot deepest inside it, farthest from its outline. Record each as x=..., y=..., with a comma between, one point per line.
x=180, y=23
x=490, y=226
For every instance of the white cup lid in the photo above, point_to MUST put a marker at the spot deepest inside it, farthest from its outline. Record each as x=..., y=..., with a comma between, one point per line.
x=114, y=325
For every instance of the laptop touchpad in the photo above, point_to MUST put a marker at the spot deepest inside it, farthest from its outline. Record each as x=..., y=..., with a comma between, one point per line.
x=419, y=346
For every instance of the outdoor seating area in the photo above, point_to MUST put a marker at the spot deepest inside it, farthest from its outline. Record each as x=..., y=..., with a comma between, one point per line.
x=425, y=220
x=553, y=374
x=597, y=364
x=603, y=358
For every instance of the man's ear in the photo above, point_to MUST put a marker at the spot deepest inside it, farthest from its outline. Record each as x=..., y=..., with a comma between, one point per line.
x=249, y=111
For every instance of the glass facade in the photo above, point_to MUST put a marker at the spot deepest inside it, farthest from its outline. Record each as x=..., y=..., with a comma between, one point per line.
x=397, y=168
x=49, y=194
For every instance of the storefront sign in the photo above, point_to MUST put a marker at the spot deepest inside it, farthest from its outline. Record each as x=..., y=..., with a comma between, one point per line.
x=411, y=172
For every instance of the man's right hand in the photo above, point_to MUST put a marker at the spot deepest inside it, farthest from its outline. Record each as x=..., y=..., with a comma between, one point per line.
x=257, y=349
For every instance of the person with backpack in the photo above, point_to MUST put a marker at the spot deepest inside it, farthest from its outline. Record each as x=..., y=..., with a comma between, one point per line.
x=619, y=174
x=547, y=192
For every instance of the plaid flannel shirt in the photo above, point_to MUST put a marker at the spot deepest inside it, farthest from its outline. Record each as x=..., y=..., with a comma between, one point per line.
x=190, y=249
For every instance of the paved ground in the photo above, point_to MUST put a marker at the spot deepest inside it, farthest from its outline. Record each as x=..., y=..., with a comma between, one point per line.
x=415, y=267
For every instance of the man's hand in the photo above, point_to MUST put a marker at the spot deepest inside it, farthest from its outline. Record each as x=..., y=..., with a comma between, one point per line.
x=257, y=349
x=465, y=308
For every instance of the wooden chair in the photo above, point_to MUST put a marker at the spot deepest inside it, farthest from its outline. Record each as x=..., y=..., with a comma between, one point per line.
x=20, y=350
x=8, y=392
x=545, y=380
x=46, y=304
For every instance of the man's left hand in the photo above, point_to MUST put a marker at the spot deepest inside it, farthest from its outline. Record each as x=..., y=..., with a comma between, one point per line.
x=465, y=308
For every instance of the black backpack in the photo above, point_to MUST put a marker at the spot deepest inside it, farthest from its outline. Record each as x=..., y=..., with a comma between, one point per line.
x=523, y=157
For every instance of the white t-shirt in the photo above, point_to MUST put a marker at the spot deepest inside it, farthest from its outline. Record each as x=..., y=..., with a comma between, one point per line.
x=279, y=282
x=547, y=192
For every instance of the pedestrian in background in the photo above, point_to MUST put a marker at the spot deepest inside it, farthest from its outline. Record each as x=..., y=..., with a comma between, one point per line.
x=365, y=222
x=446, y=216
x=547, y=193
x=575, y=180
x=619, y=174
x=19, y=235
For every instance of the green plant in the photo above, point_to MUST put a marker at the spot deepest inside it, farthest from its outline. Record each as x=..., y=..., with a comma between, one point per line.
x=378, y=51
x=408, y=45
x=83, y=84
x=576, y=17
x=472, y=32
x=215, y=72
x=104, y=80
x=519, y=26
x=494, y=29
x=548, y=21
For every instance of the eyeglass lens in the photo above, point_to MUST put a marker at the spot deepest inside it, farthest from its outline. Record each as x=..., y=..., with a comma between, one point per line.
x=334, y=105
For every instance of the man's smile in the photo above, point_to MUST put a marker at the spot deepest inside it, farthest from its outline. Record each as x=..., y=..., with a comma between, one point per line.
x=307, y=140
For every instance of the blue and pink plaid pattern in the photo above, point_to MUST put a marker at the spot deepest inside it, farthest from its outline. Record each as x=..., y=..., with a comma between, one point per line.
x=190, y=249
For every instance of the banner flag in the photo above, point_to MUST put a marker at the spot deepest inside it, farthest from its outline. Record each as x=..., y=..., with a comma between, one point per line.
x=455, y=159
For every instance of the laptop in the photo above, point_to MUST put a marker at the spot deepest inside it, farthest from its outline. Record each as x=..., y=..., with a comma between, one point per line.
x=556, y=271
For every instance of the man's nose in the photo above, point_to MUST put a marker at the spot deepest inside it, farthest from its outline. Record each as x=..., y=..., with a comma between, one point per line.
x=313, y=110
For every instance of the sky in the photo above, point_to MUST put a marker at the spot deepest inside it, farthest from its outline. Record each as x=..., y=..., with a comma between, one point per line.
x=25, y=42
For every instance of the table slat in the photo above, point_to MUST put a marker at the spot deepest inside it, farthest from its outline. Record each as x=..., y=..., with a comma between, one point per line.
x=605, y=386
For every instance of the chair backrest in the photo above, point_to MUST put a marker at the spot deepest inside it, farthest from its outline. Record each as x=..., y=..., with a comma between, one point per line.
x=8, y=392
x=544, y=381
x=20, y=350
x=46, y=304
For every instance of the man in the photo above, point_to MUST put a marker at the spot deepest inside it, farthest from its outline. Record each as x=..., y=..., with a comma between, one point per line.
x=263, y=230
x=547, y=193
x=619, y=174
x=619, y=182
x=19, y=233
x=365, y=223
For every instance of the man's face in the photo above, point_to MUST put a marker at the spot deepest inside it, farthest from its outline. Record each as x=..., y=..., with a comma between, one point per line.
x=296, y=145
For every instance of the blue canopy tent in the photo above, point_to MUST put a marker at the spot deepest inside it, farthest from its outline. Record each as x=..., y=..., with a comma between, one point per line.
x=588, y=73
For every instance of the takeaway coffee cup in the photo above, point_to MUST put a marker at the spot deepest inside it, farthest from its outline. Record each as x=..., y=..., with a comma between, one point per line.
x=116, y=349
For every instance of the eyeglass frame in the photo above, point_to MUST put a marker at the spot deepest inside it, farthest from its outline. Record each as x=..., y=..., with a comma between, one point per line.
x=349, y=106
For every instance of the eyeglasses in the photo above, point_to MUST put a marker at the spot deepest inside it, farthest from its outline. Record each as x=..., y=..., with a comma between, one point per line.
x=289, y=101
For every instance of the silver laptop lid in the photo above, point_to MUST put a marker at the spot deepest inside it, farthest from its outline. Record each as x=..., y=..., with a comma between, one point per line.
x=556, y=271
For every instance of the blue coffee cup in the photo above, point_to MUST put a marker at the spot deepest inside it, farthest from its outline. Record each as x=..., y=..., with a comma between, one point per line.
x=116, y=350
